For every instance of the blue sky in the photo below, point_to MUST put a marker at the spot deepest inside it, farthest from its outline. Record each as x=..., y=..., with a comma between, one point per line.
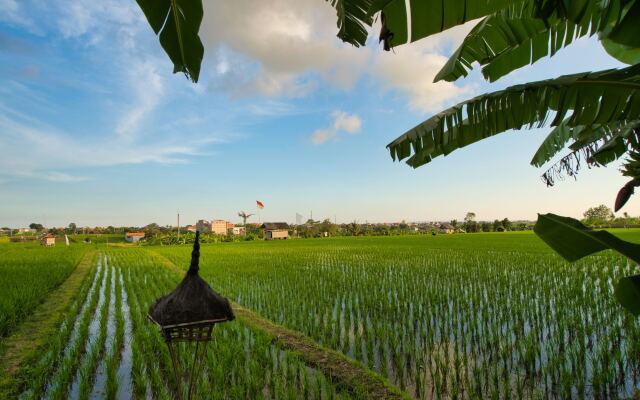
x=95, y=129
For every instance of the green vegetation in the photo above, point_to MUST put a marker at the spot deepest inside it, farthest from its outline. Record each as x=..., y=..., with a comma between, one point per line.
x=489, y=315
x=485, y=315
x=28, y=272
x=89, y=348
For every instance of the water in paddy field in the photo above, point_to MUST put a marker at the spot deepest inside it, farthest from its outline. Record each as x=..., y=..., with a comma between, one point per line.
x=125, y=385
x=478, y=326
x=73, y=338
x=76, y=326
x=98, y=390
x=94, y=331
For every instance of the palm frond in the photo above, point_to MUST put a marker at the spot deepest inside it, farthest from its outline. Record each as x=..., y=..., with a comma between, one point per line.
x=590, y=98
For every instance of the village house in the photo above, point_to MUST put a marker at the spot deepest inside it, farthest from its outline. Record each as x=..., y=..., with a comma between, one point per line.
x=48, y=240
x=220, y=226
x=191, y=228
x=133, y=237
x=447, y=228
x=275, y=230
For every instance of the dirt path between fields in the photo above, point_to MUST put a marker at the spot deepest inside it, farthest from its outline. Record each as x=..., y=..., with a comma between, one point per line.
x=19, y=347
x=347, y=374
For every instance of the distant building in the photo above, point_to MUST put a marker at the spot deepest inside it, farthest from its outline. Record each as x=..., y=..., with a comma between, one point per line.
x=237, y=230
x=447, y=228
x=191, y=228
x=220, y=226
x=133, y=237
x=48, y=240
x=26, y=230
x=203, y=226
x=275, y=230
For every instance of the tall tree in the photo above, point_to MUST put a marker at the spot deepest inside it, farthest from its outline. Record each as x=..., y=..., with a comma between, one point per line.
x=471, y=216
x=598, y=215
x=37, y=227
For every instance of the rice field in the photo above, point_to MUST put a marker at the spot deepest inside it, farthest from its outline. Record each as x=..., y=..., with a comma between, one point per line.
x=27, y=275
x=107, y=348
x=480, y=316
x=447, y=317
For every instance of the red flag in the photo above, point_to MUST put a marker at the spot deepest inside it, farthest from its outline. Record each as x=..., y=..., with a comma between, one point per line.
x=259, y=204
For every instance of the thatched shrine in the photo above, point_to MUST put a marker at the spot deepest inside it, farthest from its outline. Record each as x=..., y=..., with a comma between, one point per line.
x=188, y=315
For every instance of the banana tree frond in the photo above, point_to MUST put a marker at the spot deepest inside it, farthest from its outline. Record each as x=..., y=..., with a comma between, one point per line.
x=178, y=22
x=554, y=142
x=582, y=136
x=622, y=53
x=429, y=17
x=598, y=146
x=627, y=31
x=353, y=20
x=588, y=98
x=517, y=36
x=568, y=165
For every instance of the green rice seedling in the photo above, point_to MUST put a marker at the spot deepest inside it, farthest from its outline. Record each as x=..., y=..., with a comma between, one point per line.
x=60, y=380
x=28, y=272
x=86, y=374
x=516, y=310
x=113, y=357
x=45, y=363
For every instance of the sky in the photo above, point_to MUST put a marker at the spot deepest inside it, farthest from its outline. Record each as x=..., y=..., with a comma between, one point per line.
x=95, y=128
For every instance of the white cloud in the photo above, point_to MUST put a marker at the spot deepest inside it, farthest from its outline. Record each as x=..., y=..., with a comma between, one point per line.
x=148, y=87
x=278, y=43
x=342, y=122
x=280, y=48
x=15, y=13
x=289, y=48
x=320, y=136
x=38, y=151
x=54, y=176
x=411, y=70
x=345, y=122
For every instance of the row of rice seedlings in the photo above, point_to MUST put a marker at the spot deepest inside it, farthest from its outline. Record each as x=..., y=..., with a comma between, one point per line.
x=44, y=364
x=114, y=354
x=28, y=273
x=85, y=378
x=239, y=363
x=125, y=372
x=58, y=383
x=98, y=377
x=456, y=324
x=148, y=377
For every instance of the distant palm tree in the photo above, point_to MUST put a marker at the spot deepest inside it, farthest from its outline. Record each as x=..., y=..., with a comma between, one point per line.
x=244, y=217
